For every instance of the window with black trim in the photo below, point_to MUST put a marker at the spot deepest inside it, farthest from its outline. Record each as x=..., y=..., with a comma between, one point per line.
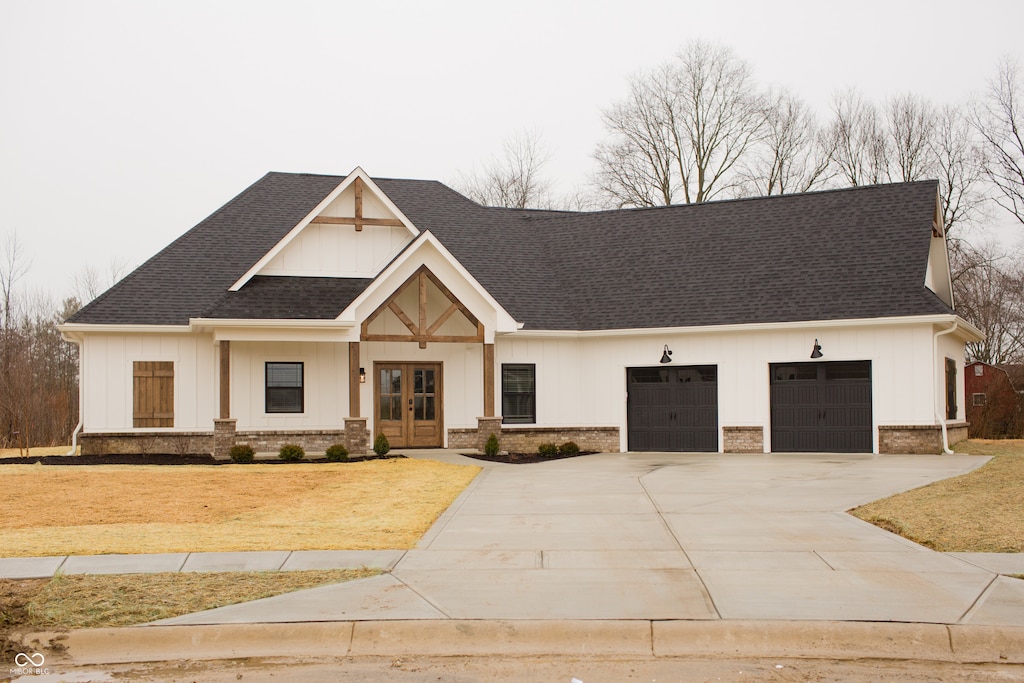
x=979, y=399
x=950, y=389
x=518, y=393
x=284, y=388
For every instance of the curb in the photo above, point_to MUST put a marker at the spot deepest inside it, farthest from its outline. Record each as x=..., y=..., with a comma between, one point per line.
x=639, y=638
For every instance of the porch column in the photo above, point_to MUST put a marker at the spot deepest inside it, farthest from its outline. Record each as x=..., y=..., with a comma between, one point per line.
x=353, y=379
x=357, y=437
x=488, y=380
x=225, y=378
x=224, y=427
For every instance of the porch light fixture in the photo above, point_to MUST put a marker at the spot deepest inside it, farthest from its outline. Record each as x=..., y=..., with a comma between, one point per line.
x=362, y=375
x=816, y=351
x=666, y=356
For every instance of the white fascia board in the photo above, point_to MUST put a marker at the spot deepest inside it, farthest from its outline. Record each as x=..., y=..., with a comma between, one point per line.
x=273, y=330
x=76, y=330
x=335, y=193
x=505, y=322
x=969, y=331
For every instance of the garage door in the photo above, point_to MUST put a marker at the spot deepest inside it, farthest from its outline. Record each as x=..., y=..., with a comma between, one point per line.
x=672, y=408
x=821, y=407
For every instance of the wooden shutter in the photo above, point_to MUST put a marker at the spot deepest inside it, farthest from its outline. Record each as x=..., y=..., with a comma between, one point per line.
x=153, y=391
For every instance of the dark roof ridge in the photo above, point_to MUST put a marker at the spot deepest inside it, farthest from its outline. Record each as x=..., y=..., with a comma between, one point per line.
x=735, y=200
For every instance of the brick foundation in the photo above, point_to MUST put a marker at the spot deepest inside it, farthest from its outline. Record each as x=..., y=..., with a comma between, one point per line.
x=312, y=441
x=218, y=443
x=144, y=443
x=743, y=439
x=918, y=439
x=528, y=439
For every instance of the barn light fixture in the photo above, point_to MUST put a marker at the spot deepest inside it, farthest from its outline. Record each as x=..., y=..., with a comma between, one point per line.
x=666, y=356
x=362, y=375
x=816, y=351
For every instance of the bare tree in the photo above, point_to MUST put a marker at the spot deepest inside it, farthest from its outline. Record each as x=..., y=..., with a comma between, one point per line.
x=89, y=282
x=912, y=126
x=860, y=149
x=999, y=119
x=514, y=180
x=989, y=291
x=793, y=155
x=682, y=131
x=14, y=264
x=958, y=165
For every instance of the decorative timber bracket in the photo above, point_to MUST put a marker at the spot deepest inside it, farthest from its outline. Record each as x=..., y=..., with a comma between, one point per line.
x=358, y=219
x=420, y=329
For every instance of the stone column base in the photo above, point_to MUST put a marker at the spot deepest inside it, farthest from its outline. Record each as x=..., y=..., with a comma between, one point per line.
x=223, y=437
x=357, y=436
x=486, y=426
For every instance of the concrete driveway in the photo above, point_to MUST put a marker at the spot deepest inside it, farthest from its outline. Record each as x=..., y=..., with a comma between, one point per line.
x=669, y=537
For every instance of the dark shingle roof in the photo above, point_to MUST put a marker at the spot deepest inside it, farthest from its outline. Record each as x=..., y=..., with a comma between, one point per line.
x=286, y=297
x=855, y=253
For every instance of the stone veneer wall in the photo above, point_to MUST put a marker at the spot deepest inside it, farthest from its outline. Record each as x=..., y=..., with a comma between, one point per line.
x=918, y=439
x=144, y=443
x=528, y=439
x=743, y=439
x=191, y=443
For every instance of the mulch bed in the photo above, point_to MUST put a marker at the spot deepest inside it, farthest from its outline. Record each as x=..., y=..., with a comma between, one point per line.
x=166, y=459
x=523, y=458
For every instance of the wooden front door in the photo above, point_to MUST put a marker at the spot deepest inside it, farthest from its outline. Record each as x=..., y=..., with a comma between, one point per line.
x=408, y=405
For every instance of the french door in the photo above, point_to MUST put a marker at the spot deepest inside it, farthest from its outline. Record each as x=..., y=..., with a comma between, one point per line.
x=408, y=404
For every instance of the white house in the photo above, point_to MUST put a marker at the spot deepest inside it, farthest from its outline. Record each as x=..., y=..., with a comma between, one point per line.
x=325, y=309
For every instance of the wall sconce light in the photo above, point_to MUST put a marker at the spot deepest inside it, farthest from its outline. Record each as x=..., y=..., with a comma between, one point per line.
x=666, y=355
x=362, y=375
x=816, y=351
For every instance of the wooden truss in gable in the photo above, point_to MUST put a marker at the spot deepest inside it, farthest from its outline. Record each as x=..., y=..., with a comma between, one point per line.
x=420, y=329
x=358, y=219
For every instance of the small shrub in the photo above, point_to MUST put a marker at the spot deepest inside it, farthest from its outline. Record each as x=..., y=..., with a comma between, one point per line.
x=548, y=450
x=492, y=446
x=242, y=453
x=337, y=453
x=569, y=448
x=381, y=445
x=291, y=452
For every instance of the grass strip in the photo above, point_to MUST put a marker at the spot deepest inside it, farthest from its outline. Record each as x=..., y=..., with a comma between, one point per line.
x=89, y=601
x=979, y=512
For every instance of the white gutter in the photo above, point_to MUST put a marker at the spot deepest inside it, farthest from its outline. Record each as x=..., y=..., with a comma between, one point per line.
x=81, y=393
x=938, y=370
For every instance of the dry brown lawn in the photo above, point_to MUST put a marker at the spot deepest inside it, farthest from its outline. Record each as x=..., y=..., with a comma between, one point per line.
x=91, y=510
x=37, y=451
x=982, y=511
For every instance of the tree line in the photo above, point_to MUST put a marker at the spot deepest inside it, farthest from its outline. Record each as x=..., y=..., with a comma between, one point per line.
x=699, y=128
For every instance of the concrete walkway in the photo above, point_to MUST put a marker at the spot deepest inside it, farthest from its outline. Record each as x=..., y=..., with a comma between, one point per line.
x=671, y=538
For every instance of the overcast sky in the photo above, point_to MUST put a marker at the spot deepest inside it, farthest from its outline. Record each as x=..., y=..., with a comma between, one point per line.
x=123, y=124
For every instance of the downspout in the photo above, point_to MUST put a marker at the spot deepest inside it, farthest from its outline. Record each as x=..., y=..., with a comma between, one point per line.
x=938, y=369
x=81, y=405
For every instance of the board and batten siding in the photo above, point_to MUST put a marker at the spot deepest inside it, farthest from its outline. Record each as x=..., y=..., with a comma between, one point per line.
x=338, y=251
x=581, y=381
x=108, y=363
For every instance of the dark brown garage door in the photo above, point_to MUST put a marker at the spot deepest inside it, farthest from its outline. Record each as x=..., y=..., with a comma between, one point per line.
x=821, y=407
x=672, y=408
